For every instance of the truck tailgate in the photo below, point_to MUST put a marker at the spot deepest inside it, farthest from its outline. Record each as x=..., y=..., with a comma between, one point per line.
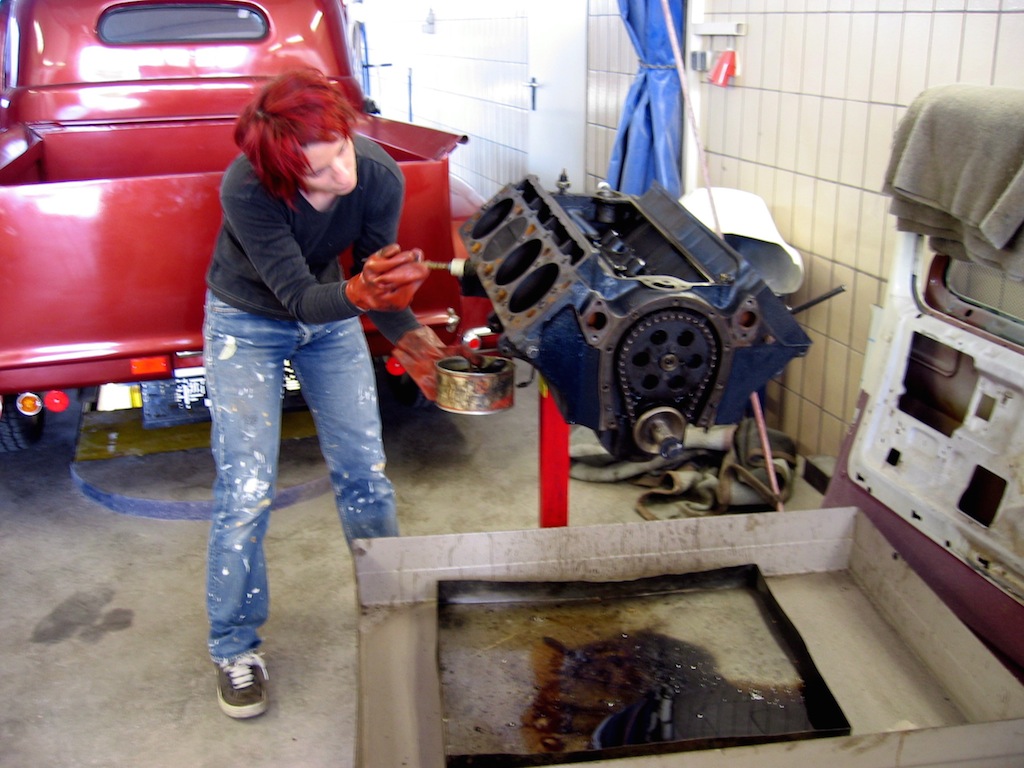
x=100, y=270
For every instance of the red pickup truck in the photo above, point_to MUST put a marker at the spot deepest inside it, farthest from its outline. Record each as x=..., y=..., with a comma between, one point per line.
x=115, y=127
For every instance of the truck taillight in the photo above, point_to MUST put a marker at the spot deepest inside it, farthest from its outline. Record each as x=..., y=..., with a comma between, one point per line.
x=147, y=366
x=29, y=403
x=56, y=400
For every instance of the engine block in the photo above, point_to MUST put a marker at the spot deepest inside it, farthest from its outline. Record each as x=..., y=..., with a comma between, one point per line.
x=640, y=319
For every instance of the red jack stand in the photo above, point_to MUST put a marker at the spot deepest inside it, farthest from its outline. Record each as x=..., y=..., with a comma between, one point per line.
x=554, y=462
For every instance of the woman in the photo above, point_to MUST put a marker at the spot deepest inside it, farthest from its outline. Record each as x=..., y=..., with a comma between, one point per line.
x=303, y=190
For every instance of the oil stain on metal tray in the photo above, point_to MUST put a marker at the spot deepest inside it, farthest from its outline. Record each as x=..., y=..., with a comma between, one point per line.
x=538, y=673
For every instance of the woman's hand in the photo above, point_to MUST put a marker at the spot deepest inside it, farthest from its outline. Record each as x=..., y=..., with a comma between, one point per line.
x=418, y=351
x=388, y=281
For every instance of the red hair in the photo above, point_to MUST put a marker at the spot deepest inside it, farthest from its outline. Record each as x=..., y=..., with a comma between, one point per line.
x=293, y=110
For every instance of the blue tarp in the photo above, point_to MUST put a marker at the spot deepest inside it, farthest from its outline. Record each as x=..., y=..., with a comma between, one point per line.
x=648, y=146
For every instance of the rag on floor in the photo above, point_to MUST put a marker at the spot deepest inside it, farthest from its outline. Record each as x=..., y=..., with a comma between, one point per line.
x=956, y=173
x=702, y=480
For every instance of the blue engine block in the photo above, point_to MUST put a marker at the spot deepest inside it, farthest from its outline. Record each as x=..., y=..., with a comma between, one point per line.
x=640, y=319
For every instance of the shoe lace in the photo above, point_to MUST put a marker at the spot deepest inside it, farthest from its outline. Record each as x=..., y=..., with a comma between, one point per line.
x=240, y=671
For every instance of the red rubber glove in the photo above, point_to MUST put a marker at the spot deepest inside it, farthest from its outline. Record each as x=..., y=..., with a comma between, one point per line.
x=418, y=351
x=388, y=281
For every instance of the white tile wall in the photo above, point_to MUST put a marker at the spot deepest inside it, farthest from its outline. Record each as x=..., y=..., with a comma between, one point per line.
x=466, y=78
x=849, y=71
x=611, y=66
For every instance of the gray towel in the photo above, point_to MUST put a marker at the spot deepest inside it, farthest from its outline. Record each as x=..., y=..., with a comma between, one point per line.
x=956, y=173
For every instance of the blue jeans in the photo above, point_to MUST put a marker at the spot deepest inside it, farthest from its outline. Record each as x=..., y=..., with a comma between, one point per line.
x=244, y=356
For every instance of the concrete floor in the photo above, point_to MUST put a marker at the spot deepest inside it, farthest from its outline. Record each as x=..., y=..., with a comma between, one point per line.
x=103, y=658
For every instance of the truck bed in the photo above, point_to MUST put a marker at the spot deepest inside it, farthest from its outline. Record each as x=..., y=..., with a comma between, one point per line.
x=109, y=230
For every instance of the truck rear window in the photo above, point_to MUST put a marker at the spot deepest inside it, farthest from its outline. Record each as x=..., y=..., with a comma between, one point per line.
x=181, y=23
x=987, y=287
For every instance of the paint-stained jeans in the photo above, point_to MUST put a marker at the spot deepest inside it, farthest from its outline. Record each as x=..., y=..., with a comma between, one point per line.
x=244, y=356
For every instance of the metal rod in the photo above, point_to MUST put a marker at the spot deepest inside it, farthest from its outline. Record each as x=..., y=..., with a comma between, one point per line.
x=815, y=302
x=766, y=449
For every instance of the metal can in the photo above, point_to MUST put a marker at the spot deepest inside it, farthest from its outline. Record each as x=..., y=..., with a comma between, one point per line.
x=475, y=389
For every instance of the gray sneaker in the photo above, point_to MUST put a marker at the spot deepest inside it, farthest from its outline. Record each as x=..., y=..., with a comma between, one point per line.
x=242, y=686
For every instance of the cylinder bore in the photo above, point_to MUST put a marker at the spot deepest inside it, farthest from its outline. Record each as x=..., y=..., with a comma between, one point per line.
x=518, y=260
x=534, y=287
x=491, y=218
x=506, y=239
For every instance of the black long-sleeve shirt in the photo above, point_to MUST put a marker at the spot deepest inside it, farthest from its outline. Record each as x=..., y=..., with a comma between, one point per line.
x=281, y=261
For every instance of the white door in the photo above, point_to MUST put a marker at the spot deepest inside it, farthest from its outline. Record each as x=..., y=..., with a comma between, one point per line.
x=556, y=91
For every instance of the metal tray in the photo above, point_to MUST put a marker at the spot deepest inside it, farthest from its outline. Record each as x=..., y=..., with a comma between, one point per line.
x=916, y=685
x=535, y=673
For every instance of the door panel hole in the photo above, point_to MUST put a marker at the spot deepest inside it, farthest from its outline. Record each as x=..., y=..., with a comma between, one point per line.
x=983, y=496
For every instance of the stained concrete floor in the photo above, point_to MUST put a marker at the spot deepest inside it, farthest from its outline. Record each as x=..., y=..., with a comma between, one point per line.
x=103, y=657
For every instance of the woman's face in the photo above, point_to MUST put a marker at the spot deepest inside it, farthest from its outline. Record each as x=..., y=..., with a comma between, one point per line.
x=332, y=167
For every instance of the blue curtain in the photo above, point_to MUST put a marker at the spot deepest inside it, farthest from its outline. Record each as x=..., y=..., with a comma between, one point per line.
x=648, y=146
